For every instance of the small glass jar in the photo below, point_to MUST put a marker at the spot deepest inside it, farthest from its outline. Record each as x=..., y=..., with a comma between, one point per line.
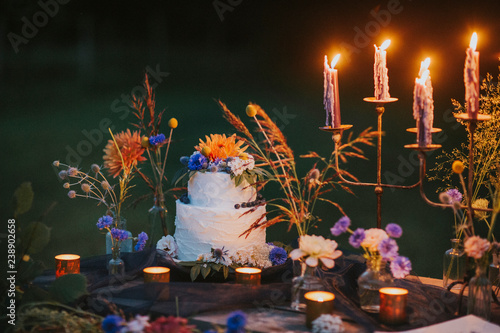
x=479, y=299
x=454, y=261
x=305, y=282
x=116, y=266
x=126, y=245
x=369, y=283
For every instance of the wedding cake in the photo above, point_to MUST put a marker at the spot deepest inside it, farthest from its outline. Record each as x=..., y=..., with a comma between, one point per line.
x=221, y=204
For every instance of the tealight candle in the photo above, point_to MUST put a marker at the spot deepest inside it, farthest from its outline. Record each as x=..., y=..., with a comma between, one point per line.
x=156, y=274
x=318, y=303
x=67, y=264
x=393, y=305
x=248, y=275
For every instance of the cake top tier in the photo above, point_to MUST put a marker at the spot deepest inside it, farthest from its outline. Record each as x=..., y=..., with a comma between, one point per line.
x=218, y=190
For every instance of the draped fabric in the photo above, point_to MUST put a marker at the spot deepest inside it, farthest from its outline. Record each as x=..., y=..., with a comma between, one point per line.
x=426, y=304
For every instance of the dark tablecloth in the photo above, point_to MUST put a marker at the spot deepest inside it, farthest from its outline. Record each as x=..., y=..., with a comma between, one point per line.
x=426, y=304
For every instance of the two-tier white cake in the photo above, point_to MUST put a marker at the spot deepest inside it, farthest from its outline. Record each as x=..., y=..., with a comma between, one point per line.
x=210, y=219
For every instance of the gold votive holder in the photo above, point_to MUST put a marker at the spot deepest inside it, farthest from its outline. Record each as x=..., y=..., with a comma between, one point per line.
x=318, y=303
x=248, y=275
x=67, y=264
x=156, y=274
x=393, y=305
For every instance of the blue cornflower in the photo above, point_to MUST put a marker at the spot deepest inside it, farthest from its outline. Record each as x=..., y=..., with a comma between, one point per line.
x=141, y=241
x=400, y=267
x=278, y=255
x=104, y=222
x=119, y=234
x=341, y=226
x=112, y=324
x=196, y=161
x=388, y=249
x=357, y=237
x=394, y=230
x=236, y=322
x=156, y=139
x=455, y=195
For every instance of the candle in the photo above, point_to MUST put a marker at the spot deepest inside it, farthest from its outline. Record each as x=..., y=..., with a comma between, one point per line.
x=331, y=93
x=67, y=264
x=471, y=78
x=248, y=275
x=380, y=77
x=156, y=274
x=423, y=105
x=393, y=305
x=318, y=303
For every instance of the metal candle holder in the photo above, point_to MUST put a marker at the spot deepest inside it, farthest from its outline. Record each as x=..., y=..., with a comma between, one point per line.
x=422, y=150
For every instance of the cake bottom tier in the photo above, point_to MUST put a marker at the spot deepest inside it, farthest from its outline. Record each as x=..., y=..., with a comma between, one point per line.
x=199, y=229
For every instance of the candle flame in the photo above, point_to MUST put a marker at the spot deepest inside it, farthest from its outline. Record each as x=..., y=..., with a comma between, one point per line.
x=424, y=65
x=320, y=300
x=473, y=41
x=335, y=60
x=385, y=45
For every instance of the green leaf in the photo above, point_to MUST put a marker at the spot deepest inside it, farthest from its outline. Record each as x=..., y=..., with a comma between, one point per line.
x=205, y=270
x=68, y=288
x=36, y=236
x=238, y=180
x=195, y=271
x=23, y=198
x=225, y=269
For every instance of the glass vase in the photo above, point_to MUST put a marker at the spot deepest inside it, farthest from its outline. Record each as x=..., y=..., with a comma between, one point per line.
x=479, y=300
x=494, y=269
x=369, y=283
x=305, y=282
x=116, y=266
x=157, y=222
x=454, y=262
x=126, y=245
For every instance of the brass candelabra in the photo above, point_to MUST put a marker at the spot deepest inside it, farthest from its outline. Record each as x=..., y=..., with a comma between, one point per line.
x=422, y=153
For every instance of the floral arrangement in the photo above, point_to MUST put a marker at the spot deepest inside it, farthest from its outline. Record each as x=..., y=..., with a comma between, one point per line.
x=261, y=256
x=236, y=322
x=378, y=245
x=301, y=195
x=327, y=323
x=316, y=249
x=476, y=247
x=218, y=153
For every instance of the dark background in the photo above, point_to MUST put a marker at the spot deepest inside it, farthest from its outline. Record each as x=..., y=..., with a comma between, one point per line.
x=72, y=73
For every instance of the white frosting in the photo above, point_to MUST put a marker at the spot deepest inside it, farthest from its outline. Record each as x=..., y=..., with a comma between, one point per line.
x=210, y=219
x=217, y=190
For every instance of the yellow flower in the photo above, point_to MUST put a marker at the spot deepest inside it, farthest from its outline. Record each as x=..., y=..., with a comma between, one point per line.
x=251, y=111
x=173, y=123
x=130, y=149
x=316, y=248
x=457, y=167
x=482, y=204
x=221, y=146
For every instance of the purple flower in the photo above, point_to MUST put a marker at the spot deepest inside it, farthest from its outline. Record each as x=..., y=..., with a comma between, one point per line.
x=341, y=226
x=455, y=195
x=394, y=230
x=104, y=222
x=400, y=267
x=196, y=161
x=236, y=322
x=141, y=241
x=156, y=139
x=388, y=249
x=112, y=324
x=277, y=255
x=357, y=237
x=119, y=234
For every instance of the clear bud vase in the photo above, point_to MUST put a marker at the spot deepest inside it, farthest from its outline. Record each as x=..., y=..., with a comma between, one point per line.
x=126, y=245
x=369, y=283
x=479, y=299
x=454, y=261
x=494, y=269
x=305, y=282
x=157, y=220
x=116, y=266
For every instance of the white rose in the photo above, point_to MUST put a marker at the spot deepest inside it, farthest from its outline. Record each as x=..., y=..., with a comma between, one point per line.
x=168, y=244
x=373, y=237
